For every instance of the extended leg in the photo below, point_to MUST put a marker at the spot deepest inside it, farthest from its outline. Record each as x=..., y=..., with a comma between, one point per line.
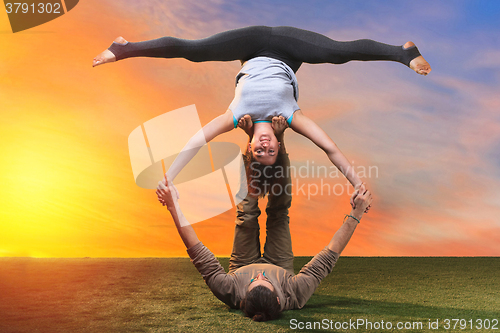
x=246, y=244
x=238, y=44
x=295, y=45
x=278, y=247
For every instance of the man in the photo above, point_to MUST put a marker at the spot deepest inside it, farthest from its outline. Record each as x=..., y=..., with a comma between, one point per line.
x=264, y=286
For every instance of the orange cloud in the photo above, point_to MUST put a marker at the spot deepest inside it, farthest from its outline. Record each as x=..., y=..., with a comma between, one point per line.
x=68, y=189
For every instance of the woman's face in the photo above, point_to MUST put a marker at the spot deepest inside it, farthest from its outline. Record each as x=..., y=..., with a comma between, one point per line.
x=265, y=148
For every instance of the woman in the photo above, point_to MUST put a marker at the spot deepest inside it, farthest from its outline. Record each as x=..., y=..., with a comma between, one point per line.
x=266, y=86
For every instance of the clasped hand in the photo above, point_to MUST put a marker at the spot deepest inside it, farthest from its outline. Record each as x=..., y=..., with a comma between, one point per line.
x=359, y=190
x=167, y=193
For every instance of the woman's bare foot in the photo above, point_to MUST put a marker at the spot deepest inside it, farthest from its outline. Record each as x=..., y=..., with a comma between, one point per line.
x=419, y=64
x=107, y=56
x=279, y=125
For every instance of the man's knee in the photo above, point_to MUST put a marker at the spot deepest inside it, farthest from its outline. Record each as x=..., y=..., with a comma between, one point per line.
x=248, y=220
x=247, y=213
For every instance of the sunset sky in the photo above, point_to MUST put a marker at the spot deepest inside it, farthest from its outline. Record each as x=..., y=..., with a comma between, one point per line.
x=67, y=183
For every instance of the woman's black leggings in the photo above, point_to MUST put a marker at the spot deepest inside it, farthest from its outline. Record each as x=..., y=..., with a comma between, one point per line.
x=291, y=45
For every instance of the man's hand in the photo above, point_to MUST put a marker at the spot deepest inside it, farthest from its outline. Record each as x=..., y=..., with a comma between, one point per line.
x=357, y=190
x=362, y=199
x=167, y=193
x=279, y=125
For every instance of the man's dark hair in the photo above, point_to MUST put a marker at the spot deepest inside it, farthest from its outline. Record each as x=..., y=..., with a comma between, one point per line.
x=260, y=177
x=261, y=304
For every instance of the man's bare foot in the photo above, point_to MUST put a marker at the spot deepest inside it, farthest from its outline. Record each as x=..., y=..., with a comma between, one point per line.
x=279, y=125
x=419, y=64
x=107, y=56
x=246, y=124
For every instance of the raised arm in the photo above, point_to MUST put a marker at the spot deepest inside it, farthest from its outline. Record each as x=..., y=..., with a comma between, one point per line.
x=361, y=201
x=168, y=195
x=221, y=124
x=308, y=128
x=305, y=283
x=222, y=285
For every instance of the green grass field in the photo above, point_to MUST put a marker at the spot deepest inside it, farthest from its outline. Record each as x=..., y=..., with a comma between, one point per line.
x=168, y=295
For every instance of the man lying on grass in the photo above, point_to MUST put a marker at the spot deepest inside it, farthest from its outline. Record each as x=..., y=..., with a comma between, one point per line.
x=264, y=286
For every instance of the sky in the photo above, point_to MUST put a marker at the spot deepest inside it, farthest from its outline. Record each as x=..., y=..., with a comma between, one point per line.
x=432, y=143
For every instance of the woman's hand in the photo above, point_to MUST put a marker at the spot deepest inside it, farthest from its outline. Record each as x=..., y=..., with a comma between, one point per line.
x=279, y=125
x=246, y=124
x=353, y=196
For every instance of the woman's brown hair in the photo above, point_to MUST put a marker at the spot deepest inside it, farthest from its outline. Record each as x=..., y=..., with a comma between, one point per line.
x=261, y=178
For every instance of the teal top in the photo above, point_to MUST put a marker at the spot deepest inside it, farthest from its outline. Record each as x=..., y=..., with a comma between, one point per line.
x=235, y=121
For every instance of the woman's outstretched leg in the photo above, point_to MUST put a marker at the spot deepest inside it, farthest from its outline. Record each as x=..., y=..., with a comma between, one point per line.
x=288, y=44
x=238, y=44
x=295, y=46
